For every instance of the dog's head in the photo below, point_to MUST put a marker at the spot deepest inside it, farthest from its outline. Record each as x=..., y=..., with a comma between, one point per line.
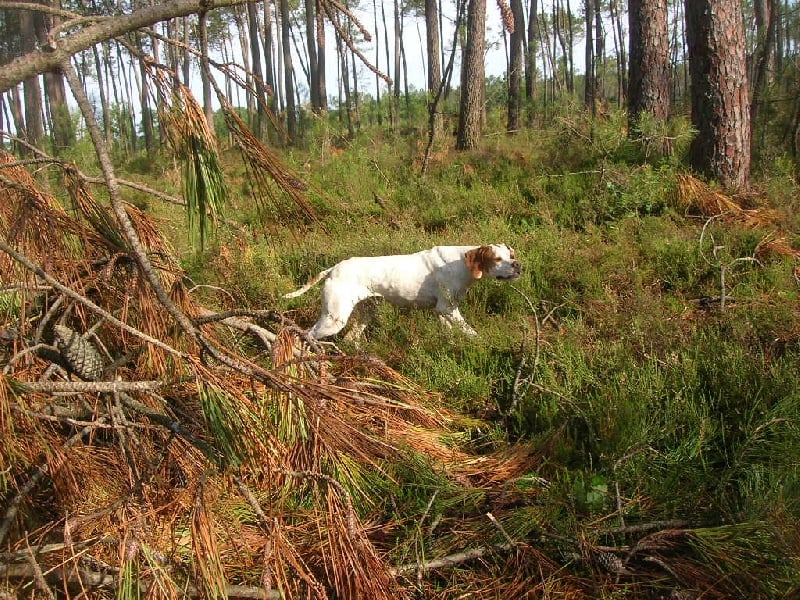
x=497, y=261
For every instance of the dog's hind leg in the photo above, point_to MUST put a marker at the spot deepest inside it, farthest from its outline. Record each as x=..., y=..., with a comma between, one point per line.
x=363, y=313
x=338, y=302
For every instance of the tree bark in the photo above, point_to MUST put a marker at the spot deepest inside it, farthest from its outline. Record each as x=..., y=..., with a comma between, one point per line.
x=649, y=83
x=719, y=91
x=515, y=68
x=434, y=53
x=31, y=88
x=590, y=86
x=532, y=51
x=472, y=78
x=59, y=120
x=288, y=73
x=255, y=68
x=321, y=83
x=765, y=17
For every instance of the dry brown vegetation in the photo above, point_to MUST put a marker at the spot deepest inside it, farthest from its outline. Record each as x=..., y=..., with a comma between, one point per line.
x=171, y=471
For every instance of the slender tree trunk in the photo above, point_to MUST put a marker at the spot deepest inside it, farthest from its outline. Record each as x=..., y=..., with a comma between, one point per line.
x=515, y=67
x=345, y=83
x=288, y=72
x=472, y=78
x=254, y=37
x=386, y=46
x=355, y=100
x=311, y=42
x=60, y=123
x=530, y=56
x=622, y=59
x=269, y=58
x=18, y=115
x=720, y=100
x=570, y=53
x=764, y=11
x=378, y=108
x=208, y=107
x=321, y=84
x=397, y=44
x=31, y=87
x=187, y=59
x=599, y=54
x=649, y=61
x=590, y=88
x=434, y=54
x=558, y=34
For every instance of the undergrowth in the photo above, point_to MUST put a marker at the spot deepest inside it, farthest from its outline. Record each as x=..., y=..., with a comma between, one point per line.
x=648, y=355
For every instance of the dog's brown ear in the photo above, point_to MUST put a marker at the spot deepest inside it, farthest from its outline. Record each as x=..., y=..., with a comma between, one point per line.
x=479, y=260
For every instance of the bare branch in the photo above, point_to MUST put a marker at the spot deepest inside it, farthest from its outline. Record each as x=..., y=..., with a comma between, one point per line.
x=53, y=58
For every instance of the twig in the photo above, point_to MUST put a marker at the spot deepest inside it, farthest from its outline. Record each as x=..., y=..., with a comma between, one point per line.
x=98, y=580
x=451, y=559
x=38, y=577
x=645, y=527
x=500, y=528
x=521, y=385
x=172, y=425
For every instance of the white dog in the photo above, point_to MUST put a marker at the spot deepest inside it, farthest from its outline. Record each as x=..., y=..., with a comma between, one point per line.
x=436, y=278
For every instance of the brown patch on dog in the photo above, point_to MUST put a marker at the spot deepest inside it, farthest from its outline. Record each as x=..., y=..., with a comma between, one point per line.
x=480, y=260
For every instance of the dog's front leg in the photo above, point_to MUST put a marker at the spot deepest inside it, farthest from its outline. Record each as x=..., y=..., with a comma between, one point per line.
x=454, y=317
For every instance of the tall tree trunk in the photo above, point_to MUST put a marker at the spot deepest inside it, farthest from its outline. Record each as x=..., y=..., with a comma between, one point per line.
x=288, y=72
x=31, y=87
x=559, y=16
x=590, y=86
x=530, y=56
x=720, y=100
x=254, y=37
x=649, y=71
x=311, y=43
x=472, y=78
x=378, y=109
x=18, y=116
x=386, y=46
x=434, y=55
x=570, y=53
x=321, y=83
x=269, y=59
x=619, y=47
x=205, y=72
x=60, y=123
x=599, y=53
x=397, y=44
x=344, y=81
x=187, y=58
x=764, y=11
x=515, y=67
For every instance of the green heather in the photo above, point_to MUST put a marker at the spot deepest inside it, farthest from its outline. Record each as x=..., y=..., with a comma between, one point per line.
x=648, y=357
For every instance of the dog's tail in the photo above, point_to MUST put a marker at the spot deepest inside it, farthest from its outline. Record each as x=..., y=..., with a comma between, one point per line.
x=320, y=276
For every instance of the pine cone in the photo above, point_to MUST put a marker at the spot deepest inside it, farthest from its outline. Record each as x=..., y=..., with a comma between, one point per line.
x=79, y=354
x=610, y=562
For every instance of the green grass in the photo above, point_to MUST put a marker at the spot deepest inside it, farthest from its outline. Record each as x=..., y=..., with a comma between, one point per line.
x=639, y=390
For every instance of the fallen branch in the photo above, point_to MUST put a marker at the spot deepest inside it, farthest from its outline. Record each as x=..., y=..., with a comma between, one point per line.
x=451, y=559
x=85, y=387
x=95, y=580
